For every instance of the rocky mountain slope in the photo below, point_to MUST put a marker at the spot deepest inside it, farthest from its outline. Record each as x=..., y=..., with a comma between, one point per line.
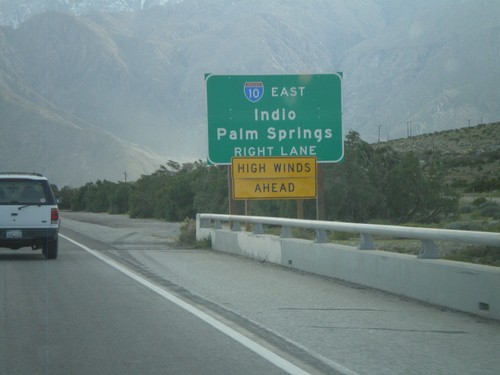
x=432, y=69
x=64, y=148
x=465, y=155
x=15, y=12
x=128, y=74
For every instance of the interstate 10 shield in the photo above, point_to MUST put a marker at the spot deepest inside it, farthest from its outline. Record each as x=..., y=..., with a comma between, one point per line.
x=254, y=91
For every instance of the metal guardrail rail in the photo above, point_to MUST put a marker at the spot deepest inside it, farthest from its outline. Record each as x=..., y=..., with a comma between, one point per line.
x=427, y=236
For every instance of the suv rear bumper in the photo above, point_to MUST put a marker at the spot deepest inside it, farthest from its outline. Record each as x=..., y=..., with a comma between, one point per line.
x=29, y=237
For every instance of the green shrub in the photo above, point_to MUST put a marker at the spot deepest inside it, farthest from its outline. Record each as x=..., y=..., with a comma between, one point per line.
x=305, y=234
x=493, y=225
x=461, y=225
x=187, y=235
x=188, y=232
x=479, y=201
x=467, y=209
x=477, y=254
x=344, y=236
x=490, y=209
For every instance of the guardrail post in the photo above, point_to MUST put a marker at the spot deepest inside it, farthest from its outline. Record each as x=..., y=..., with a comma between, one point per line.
x=258, y=228
x=366, y=242
x=286, y=232
x=429, y=250
x=218, y=224
x=205, y=223
x=235, y=226
x=321, y=236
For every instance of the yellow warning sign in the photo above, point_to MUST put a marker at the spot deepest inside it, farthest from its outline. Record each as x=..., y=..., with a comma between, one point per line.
x=274, y=178
x=267, y=167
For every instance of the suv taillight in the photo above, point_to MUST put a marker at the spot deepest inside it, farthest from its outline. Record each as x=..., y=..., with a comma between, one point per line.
x=54, y=215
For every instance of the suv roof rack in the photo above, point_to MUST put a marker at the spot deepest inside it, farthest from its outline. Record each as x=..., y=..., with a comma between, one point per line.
x=23, y=173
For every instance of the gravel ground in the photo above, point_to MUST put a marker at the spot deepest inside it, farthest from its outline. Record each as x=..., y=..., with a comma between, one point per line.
x=122, y=232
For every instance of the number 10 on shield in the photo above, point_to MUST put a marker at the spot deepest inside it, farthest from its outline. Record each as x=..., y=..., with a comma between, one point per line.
x=254, y=91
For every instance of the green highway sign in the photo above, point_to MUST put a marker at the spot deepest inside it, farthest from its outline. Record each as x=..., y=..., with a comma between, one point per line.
x=274, y=115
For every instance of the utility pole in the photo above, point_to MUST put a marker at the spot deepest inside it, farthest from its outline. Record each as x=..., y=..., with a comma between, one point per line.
x=408, y=129
x=379, y=133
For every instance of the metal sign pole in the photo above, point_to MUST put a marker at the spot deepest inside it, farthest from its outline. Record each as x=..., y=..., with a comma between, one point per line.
x=320, y=201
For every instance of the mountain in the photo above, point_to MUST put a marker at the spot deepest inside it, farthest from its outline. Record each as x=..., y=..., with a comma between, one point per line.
x=131, y=73
x=68, y=151
x=15, y=12
x=435, y=68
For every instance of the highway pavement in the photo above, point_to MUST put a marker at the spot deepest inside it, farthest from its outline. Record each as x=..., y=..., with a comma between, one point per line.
x=123, y=298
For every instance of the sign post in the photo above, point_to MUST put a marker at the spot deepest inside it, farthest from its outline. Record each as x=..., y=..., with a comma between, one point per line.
x=273, y=119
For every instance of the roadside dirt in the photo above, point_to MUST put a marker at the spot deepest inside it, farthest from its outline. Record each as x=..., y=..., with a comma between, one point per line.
x=121, y=230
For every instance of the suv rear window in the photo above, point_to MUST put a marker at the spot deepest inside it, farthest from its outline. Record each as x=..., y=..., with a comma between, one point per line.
x=25, y=191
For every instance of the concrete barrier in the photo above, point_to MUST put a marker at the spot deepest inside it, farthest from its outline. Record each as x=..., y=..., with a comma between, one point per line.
x=456, y=285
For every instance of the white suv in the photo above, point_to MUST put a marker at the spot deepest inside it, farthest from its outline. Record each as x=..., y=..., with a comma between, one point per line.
x=29, y=216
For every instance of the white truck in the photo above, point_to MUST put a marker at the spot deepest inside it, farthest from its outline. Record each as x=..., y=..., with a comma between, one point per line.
x=29, y=215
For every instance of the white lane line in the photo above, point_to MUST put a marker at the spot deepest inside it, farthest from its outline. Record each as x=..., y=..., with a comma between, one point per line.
x=265, y=353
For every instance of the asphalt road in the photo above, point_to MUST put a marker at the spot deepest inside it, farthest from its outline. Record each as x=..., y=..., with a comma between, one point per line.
x=78, y=315
x=123, y=299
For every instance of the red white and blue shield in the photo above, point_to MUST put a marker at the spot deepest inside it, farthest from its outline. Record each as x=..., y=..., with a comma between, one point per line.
x=254, y=91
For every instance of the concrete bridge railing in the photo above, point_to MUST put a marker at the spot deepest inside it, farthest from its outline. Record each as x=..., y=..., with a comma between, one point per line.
x=461, y=286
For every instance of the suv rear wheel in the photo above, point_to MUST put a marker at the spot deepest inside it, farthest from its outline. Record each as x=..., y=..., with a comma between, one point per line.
x=50, y=248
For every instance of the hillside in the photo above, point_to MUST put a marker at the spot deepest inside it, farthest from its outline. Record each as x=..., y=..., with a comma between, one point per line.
x=430, y=68
x=36, y=136
x=464, y=155
x=129, y=74
x=67, y=152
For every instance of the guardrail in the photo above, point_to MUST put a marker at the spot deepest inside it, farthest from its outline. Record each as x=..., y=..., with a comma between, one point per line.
x=461, y=286
x=427, y=236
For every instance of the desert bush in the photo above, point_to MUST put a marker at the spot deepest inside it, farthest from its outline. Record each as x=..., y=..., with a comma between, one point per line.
x=188, y=232
x=490, y=209
x=477, y=254
x=466, y=209
x=187, y=235
x=479, y=201
x=463, y=225
x=344, y=236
